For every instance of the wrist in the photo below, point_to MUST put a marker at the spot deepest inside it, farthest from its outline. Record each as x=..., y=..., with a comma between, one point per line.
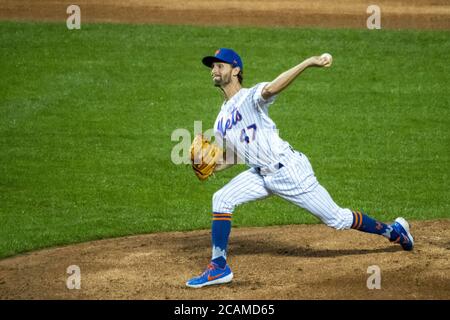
x=310, y=62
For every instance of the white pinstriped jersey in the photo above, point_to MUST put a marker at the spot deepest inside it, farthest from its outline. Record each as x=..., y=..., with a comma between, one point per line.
x=244, y=126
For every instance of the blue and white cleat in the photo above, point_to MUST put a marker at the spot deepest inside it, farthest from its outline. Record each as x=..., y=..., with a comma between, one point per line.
x=405, y=239
x=212, y=275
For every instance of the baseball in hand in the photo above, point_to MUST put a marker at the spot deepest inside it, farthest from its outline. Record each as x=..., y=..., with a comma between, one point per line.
x=328, y=58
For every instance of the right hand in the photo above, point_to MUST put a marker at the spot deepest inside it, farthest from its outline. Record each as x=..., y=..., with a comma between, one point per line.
x=318, y=61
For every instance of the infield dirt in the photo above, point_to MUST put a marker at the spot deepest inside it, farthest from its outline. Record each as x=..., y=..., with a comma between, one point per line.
x=282, y=262
x=415, y=14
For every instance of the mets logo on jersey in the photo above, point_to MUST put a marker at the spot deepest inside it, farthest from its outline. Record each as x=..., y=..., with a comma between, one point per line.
x=231, y=120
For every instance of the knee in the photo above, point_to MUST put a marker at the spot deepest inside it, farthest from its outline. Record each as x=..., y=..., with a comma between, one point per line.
x=342, y=219
x=222, y=203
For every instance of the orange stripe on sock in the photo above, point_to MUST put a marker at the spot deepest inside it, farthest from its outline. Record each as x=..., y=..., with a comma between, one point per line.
x=355, y=217
x=222, y=214
x=222, y=219
x=360, y=220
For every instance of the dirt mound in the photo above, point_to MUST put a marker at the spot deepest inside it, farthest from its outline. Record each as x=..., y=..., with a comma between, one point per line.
x=416, y=14
x=283, y=262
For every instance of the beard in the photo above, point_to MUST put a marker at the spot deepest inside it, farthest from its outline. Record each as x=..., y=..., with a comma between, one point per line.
x=222, y=81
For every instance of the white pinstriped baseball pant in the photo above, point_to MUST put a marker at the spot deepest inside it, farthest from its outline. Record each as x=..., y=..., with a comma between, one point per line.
x=295, y=182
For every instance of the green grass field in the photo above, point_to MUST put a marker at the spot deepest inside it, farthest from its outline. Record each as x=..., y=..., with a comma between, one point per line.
x=86, y=118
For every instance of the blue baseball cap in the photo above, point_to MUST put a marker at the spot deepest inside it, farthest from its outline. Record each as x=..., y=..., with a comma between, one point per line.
x=224, y=55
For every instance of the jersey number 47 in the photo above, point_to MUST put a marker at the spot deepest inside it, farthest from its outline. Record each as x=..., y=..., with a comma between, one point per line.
x=251, y=131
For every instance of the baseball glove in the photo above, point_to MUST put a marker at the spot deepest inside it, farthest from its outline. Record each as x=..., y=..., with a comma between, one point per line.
x=204, y=156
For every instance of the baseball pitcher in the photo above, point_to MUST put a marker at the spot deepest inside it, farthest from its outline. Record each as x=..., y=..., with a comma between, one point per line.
x=243, y=128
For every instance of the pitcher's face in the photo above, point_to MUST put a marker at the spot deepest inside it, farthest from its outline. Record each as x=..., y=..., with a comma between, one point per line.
x=221, y=73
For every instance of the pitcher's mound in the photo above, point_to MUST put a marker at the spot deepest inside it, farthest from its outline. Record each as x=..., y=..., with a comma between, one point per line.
x=283, y=262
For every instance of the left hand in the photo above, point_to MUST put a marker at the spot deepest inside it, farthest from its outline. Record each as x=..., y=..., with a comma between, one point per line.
x=204, y=156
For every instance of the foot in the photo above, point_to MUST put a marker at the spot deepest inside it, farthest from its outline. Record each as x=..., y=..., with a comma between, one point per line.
x=212, y=275
x=405, y=239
